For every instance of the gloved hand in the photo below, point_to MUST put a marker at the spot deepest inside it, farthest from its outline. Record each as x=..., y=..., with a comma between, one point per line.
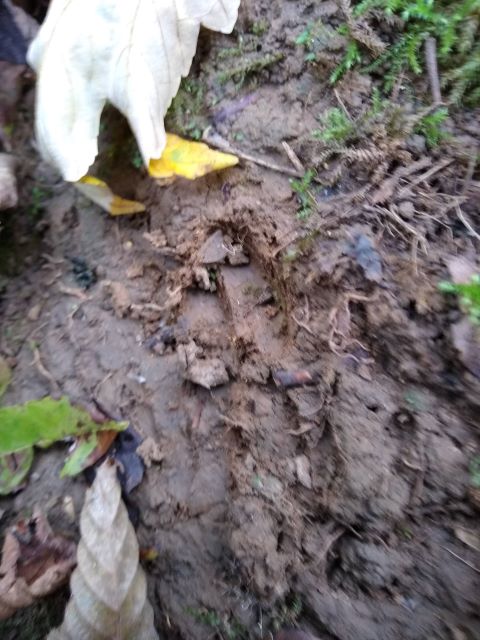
x=131, y=53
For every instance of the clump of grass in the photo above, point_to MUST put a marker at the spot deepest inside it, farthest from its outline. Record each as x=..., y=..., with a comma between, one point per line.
x=336, y=126
x=468, y=296
x=430, y=126
x=225, y=628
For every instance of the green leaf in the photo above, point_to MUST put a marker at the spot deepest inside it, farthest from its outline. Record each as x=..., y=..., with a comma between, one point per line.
x=75, y=462
x=14, y=469
x=41, y=423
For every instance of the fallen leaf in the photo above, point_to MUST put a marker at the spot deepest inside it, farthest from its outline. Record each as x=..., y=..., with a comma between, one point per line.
x=14, y=468
x=468, y=537
x=109, y=595
x=87, y=451
x=188, y=159
x=40, y=423
x=5, y=375
x=35, y=562
x=100, y=193
x=132, y=55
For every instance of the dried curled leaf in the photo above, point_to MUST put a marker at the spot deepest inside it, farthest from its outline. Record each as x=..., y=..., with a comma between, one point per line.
x=188, y=160
x=109, y=591
x=35, y=562
x=132, y=54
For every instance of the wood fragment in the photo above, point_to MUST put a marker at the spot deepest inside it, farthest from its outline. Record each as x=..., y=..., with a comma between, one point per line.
x=215, y=140
x=71, y=291
x=292, y=156
x=455, y=555
x=432, y=68
x=465, y=221
x=424, y=177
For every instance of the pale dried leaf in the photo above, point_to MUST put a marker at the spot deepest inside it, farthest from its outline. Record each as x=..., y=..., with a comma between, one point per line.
x=109, y=595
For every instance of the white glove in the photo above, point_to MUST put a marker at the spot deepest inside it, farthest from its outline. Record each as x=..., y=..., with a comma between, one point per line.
x=132, y=53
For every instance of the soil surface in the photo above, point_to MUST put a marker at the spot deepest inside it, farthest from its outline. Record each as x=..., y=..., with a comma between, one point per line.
x=333, y=506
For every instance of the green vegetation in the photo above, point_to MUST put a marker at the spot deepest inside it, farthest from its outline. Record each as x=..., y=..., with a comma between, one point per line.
x=454, y=25
x=468, y=294
x=287, y=613
x=250, y=66
x=430, y=126
x=37, y=199
x=185, y=114
x=336, y=127
x=230, y=629
x=305, y=194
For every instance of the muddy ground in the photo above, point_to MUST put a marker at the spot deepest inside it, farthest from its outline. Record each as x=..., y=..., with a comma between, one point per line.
x=331, y=507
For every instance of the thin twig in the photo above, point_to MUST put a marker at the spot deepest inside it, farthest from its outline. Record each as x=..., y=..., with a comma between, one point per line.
x=302, y=325
x=401, y=223
x=292, y=156
x=432, y=68
x=455, y=555
x=423, y=177
x=71, y=291
x=217, y=141
x=462, y=217
x=342, y=104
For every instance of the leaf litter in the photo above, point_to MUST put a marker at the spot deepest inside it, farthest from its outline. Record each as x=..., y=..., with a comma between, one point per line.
x=35, y=562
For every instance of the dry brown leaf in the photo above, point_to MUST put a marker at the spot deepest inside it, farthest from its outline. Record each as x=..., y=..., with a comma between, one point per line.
x=35, y=562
